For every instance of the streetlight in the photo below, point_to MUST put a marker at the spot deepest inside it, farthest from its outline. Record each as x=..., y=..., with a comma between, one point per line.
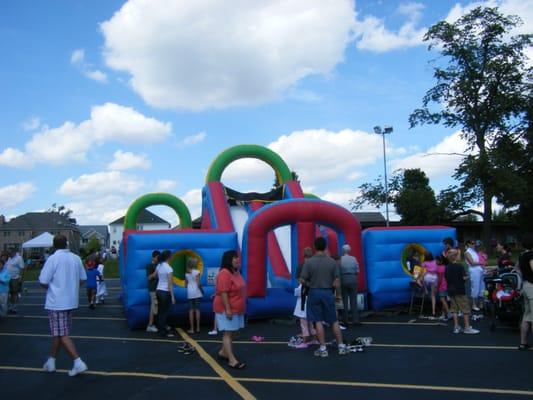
x=387, y=129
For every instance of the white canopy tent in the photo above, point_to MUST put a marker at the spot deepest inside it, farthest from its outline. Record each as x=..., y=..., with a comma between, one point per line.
x=43, y=240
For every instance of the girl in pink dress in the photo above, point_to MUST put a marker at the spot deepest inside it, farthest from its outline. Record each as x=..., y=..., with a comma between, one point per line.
x=442, y=286
x=431, y=279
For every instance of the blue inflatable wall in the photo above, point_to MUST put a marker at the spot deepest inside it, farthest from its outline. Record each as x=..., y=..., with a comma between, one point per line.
x=209, y=246
x=388, y=283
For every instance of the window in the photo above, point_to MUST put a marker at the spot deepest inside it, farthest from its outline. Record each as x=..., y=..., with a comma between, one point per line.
x=21, y=233
x=7, y=233
x=114, y=230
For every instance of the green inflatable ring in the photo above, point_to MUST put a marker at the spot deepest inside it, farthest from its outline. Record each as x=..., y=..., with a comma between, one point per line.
x=157, y=199
x=248, y=151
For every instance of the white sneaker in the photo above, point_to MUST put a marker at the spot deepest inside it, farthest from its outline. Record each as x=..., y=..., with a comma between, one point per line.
x=471, y=331
x=342, y=327
x=50, y=365
x=214, y=332
x=78, y=368
x=343, y=350
x=457, y=330
x=321, y=353
x=151, y=328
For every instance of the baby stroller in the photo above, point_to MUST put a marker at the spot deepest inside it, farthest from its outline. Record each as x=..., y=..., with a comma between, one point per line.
x=503, y=297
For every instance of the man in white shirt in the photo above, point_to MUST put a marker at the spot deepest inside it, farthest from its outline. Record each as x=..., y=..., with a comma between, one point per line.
x=15, y=268
x=62, y=275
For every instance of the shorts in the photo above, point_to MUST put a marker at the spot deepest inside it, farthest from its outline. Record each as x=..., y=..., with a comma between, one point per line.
x=231, y=325
x=153, y=303
x=321, y=306
x=527, y=293
x=194, y=304
x=460, y=303
x=15, y=286
x=60, y=322
x=443, y=294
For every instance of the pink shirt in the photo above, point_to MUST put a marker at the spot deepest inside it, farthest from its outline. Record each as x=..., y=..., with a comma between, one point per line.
x=430, y=266
x=443, y=286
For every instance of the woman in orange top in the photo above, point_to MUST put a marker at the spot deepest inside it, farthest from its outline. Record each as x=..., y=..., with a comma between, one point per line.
x=230, y=305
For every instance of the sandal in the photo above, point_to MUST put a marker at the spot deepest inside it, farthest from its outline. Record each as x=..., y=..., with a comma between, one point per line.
x=239, y=365
x=524, y=346
x=221, y=357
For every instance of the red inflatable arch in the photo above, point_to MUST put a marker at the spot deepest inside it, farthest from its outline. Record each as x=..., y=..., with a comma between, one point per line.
x=293, y=212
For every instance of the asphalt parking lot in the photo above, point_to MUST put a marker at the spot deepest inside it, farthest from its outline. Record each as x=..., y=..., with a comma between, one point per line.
x=410, y=358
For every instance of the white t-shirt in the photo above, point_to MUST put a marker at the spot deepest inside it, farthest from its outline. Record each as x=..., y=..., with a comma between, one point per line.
x=475, y=257
x=193, y=291
x=62, y=272
x=14, y=266
x=163, y=270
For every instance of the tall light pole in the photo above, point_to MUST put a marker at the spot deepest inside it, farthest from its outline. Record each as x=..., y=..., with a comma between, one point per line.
x=387, y=130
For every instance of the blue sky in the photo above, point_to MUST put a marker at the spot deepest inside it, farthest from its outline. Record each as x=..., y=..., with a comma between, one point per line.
x=103, y=101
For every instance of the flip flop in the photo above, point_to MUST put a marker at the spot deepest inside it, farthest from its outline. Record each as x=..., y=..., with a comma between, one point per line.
x=258, y=339
x=239, y=365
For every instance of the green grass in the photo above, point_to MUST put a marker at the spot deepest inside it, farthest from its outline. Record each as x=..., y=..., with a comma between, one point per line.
x=110, y=271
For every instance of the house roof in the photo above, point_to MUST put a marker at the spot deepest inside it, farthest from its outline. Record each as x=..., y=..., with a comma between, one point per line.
x=369, y=216
x=40, y=221
x=89, y=229
x=144, y=217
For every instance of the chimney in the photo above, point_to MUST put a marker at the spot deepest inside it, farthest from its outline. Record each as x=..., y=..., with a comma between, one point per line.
x=2, y=220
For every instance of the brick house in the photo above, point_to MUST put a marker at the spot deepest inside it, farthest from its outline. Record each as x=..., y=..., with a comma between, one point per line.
x=27, y=226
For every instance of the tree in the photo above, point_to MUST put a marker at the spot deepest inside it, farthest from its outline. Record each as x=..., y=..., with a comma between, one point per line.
x=409, y=192
x=61, y=210
x=294, y=177
x=482, y=89
x=93, y=245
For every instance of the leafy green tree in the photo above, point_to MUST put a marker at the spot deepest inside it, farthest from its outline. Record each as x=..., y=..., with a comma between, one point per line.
x=409, y=192
x=482, y=86
x=93, y=245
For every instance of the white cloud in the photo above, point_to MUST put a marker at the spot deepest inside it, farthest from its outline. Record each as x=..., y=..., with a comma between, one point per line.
x=193, y=200
x=101, y=184
x=191, y=140
x=371, y=33
x=12, y=195
x=98, y=210
x=31, y=124
x=77, y=59
x=126, y=160
x=166, y=185
x=15, y=159
x=212, y=55
x=316, y=155
x=109, y=122
x=96, y=75
x=438, y=161
x=341, y=197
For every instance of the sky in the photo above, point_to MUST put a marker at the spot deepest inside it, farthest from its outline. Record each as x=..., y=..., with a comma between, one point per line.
x=103, y=101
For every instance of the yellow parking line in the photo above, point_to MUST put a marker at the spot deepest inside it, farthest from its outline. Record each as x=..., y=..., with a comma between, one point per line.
x=230, y=380
x=46, y=317
x=372, y=385
x=393, y=386
x=81, y=305
x=122, y=339
x=119, y=374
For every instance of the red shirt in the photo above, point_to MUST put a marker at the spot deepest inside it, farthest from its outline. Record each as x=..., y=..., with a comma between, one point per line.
x=234, y=285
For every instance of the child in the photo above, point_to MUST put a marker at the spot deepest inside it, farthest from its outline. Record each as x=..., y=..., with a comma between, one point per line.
x=92, y=276
x=455, y=277
x=442, y=286
x=300, y=311
x=152, y=286
x=101, y=287
x=4, y=288
x=431, y=279
x=194, y=293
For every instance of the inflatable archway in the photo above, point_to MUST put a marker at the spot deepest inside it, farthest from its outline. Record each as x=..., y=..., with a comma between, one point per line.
x=248, y=151
x=157, y=199
x=291, y=212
